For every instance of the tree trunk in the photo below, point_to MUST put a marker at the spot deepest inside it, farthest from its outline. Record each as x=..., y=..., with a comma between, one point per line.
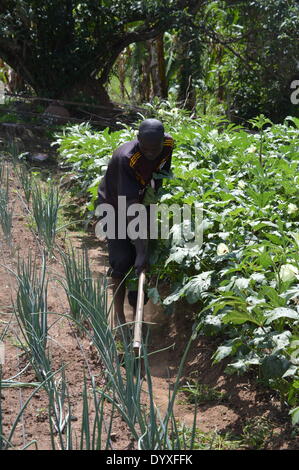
x=88, y=88
x=60, y=47
x=122, y=75
x=220, y=90
x=145, y=82
x=157, y=67
x=141, y=84
x=121, y=71
x=186, y=93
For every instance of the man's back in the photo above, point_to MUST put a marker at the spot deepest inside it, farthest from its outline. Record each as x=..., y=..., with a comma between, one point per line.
x=129, y=172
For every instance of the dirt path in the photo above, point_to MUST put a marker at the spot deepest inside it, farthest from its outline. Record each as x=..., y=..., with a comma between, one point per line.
x=239, y=399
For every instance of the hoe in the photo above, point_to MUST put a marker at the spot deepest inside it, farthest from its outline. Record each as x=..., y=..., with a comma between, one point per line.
x=137, y=340
x=139, y=315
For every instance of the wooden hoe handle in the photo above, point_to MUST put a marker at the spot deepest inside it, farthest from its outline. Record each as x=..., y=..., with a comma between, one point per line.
x=139, y=312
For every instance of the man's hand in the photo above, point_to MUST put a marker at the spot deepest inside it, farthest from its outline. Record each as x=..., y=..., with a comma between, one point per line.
x=150, y=196
x=141, y=260
x=141, y=246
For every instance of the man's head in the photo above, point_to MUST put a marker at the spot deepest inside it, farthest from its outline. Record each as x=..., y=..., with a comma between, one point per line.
x=151, y=138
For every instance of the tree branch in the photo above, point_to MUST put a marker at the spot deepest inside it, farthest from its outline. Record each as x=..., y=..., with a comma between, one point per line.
x=115, y=49
x=246, y=60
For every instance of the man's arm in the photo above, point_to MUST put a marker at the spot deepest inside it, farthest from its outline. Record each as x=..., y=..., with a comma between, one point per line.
x=140, y=243
x=129, y=187
x=150, y=197
x=166, y=167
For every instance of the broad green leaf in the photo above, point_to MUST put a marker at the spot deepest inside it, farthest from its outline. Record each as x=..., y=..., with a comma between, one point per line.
x=178, y=255
x=258, y=225
x=293, y=119
x=197, y=285
x=293, y=370
x=281, y=340
x=274, y=366
x=154, y=295
x=222, y=352
x=265, y=260
x=295, y=235
x=281, y=312
x=295, y=416
x=238, y=318
x=242, y=365
x=273, y=238
x=273, y=295
x=241, y=283
x=174, y=296
x=229, y=348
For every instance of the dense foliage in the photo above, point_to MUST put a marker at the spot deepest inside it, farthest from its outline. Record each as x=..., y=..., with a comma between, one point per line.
x=257, y=72
x=238, y=56
x=60, y=47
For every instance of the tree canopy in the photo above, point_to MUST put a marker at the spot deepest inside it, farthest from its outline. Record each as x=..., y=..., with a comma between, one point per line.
x=59, y=46
x=239, y=53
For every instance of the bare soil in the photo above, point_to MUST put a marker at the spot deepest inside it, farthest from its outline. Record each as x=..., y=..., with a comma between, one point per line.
x=243, y=398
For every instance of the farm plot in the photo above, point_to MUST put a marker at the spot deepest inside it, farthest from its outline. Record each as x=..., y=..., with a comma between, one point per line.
x=242, y=280
x=64, y=383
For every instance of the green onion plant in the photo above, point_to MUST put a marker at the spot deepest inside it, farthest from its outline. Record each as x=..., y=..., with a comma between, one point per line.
x=31, y=312
x=26, y=180
x=78, y=281
x=45, y=206
x=125, y=375
x=5, y=211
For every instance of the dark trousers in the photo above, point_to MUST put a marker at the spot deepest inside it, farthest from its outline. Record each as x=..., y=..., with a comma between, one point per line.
x=122, y=256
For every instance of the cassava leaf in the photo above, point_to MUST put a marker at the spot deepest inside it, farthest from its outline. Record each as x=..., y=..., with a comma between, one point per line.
x=295, y=416
x=281, y=312
x=154, y=295
x=238, y=318
x=274, y=366
x=230, y=347
x=197, y=285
